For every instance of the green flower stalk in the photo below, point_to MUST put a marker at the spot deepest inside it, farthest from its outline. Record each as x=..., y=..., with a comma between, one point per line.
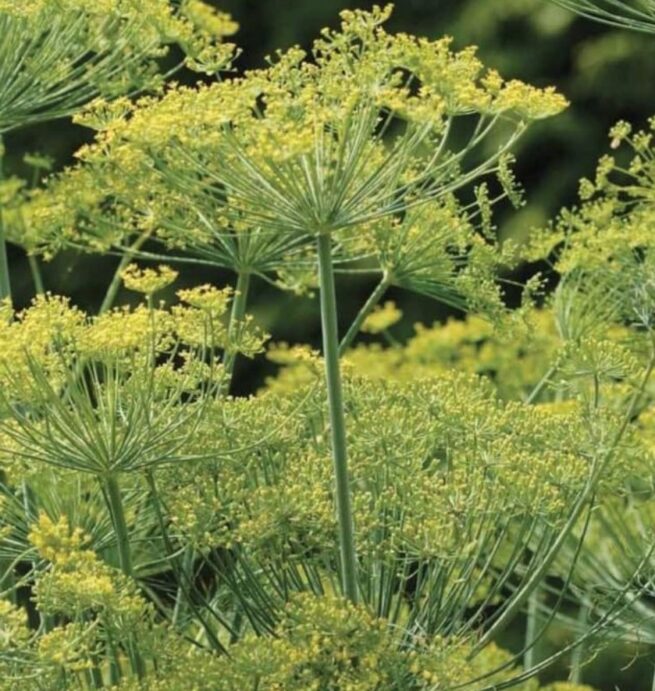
x=337, y=418
x=237, y=316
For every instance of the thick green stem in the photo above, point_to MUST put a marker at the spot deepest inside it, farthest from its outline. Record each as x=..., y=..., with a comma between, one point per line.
x=5, y=284
x=236, y=318
x=337, y=417
x=368, y=307
x=115, y=505
x=37, y=277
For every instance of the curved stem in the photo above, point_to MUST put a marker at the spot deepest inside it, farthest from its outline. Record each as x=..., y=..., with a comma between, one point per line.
x=236, y=317
x=337, y=417
x=368, y=307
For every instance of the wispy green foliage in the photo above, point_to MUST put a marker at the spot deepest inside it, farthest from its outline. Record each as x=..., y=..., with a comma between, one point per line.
x=638, y=15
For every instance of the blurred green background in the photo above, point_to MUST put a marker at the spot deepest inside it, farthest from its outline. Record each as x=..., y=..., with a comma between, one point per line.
x=607, y=74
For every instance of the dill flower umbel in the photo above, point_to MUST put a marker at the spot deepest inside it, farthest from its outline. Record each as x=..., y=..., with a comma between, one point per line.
x=148, y=281
x=320, y=153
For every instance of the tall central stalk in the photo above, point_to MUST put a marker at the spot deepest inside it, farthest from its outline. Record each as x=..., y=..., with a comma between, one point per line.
x=337, y=417
x=236, y=318
x=115, y=502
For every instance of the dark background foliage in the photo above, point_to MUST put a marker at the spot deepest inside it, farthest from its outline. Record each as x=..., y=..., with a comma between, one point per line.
x=606, y=73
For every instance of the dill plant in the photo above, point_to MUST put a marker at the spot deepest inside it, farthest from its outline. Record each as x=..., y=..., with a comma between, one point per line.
x=300, y=150
x=171, y=536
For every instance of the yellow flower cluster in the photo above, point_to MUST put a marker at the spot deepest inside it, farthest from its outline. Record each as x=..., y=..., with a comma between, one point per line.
x=515, y=360
x=382, y=318
x=66, y=647
x=124, y=376
x=14, y=632
x=56, y=542
x=608, y=238
x=148, y=281
x=38, y=336
x=422, y=491
x=287, y=148
x=208, y=20
x=325, y=642
x=78, y=581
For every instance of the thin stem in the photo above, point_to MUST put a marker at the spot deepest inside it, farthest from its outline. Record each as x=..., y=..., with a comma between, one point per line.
x=368, y=307
x=578, y=651
x=531, y=631
x=37, y=277
x=5, y=284
x=114, y=286
x=337, y=417
x=541, y=385
x=236, y=318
